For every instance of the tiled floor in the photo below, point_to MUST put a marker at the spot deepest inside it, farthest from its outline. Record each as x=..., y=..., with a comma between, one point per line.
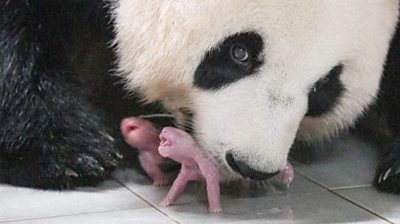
x=333, y=189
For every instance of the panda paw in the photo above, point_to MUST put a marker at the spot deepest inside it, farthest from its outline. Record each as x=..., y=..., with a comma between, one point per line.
x=73, y=161
x=91, y=163
x=80, y=170
x=60, y=167
x=387, y=178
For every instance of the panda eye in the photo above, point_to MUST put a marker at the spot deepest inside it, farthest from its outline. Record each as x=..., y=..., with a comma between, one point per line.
x=236, y=57
x=239, y=53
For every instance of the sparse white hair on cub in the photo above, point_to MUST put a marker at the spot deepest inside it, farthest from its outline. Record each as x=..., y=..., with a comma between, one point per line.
x=160, y=44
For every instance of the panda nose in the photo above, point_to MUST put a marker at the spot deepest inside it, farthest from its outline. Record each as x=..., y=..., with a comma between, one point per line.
x=245, y=170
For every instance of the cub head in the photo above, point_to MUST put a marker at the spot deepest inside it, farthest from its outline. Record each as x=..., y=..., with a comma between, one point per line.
x=253, y=75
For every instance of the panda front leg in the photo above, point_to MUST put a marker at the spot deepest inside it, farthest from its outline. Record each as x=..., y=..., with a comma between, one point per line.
x=50, y=136
x=387, y=177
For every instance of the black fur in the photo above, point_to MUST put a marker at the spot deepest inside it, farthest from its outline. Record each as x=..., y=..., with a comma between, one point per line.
x=50, y=136
x=325, y=93
x=388, y=173
x=53, y=132
x=219, y=69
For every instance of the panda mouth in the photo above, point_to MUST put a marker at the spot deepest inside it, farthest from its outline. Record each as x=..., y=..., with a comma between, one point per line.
x=165, y=142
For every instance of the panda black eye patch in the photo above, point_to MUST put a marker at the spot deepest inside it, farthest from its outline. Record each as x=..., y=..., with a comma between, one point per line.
x=236, y=57
x=325, y=93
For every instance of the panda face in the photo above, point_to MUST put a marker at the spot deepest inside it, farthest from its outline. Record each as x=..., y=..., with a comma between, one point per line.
x=256, y=74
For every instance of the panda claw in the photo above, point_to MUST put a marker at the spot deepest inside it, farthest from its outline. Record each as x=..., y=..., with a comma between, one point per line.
x=71, y=173
x=388, y=174
x=379, y=179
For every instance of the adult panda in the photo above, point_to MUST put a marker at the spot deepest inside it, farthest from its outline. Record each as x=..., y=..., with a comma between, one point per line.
x=249, y=77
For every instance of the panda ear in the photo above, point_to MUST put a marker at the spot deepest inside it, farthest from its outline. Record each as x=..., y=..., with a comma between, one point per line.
x=326, y=92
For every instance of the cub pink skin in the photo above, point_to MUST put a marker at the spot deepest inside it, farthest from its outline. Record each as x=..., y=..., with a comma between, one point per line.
x=287, y=174
x=141, y=134
x=180, y=146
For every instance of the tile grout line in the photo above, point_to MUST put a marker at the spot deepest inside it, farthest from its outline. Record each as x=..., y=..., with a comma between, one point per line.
x=347, y=199
x=332, y=188
x=70, y=215
x=149, y=203
x=351, y=187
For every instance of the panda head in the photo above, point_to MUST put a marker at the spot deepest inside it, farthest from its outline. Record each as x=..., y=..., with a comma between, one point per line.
x=255, y=74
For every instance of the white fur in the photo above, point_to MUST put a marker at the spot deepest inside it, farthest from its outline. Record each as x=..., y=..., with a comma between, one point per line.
x=160, y=44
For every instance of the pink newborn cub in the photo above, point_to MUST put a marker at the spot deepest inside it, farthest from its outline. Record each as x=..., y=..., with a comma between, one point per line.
x=141, y=133
x=179, y=146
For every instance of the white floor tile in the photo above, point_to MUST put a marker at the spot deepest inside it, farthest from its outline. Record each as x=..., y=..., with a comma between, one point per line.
x=196, y=192
x=386, y=205
x=319, y=207
x=22, y=203
x=137, y=216
x=304, y=202
x=346, y=162
x=142, y=186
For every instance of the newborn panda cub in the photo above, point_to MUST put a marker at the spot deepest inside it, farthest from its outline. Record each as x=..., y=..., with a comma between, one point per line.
x=179, y=146
x=142, y=135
